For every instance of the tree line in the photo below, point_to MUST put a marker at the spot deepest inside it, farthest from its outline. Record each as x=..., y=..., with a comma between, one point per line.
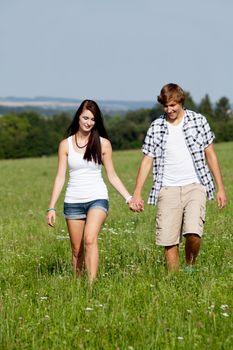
x=30, y=134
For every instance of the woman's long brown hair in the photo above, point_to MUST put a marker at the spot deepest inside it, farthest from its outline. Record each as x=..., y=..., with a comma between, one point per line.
x=93, y=150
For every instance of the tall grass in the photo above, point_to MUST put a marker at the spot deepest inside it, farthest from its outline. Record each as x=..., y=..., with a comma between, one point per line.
x=135, y=303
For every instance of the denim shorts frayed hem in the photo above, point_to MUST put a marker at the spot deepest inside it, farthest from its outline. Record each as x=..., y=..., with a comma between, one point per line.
x=76, y=211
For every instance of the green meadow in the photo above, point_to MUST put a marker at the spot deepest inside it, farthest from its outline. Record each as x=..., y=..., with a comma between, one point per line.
x=135, y=303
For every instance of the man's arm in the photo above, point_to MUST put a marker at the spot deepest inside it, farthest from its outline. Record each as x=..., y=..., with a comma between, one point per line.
x=143, y=172
x=212, y=161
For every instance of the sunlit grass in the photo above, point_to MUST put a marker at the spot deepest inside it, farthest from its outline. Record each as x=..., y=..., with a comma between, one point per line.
x=135, y=303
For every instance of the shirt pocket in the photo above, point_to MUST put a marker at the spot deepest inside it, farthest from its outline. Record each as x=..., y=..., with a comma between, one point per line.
x=195, y=136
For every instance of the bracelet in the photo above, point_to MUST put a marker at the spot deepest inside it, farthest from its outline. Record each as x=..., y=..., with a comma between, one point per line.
x=128, y=199
x=49, y=209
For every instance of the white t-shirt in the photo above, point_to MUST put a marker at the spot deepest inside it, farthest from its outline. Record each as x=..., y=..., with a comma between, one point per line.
x=85, y=179
x=179, y=168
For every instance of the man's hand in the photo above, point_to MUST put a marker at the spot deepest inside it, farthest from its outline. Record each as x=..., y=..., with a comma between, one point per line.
x=221, y=199
x=136, y=204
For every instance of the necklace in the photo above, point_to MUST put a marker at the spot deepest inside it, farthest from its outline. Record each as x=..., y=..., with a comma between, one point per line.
x=75, y=137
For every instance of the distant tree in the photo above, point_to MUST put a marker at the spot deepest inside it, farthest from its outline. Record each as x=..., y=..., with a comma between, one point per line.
x=115, y=126
x=189, y=103
x=60, y=122
x=139, y=116
x=57, y=126
x=156, y=112
x=128, y=131
x=223, y=130
x=13, y=133
x=38, y=141
x=205, y=107
x=223, y=109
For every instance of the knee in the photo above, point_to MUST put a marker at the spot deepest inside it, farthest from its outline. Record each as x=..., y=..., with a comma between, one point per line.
x=192, y=237
x=172, y=248
x=90, y=242
x=77, y=252
x=172, y=252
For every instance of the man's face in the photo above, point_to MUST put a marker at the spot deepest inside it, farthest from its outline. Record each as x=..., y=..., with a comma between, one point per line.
x=173, y=110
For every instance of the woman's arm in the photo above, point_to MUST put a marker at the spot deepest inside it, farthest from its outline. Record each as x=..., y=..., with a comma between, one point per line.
x=58, y=182
x=111, y=173
x=212, y=161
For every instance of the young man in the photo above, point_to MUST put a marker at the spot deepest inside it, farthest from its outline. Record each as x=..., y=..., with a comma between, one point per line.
x=178, y=144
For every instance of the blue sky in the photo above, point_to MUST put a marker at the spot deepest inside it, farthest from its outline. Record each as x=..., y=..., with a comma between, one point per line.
x=118, y=50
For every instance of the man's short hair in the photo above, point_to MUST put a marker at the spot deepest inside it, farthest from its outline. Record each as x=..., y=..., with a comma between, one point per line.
x=171, y=92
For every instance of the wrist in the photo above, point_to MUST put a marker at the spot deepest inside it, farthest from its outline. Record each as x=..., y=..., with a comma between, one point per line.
x=51, y=209
x=137, y=196
x=137, y=193
x=128, y=199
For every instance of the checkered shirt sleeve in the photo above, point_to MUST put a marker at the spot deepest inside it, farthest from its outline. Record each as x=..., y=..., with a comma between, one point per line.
x=208, y=135
x=148, y=147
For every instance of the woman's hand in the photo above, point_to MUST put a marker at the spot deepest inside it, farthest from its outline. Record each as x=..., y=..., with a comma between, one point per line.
x=51, y=218
x=136, y=205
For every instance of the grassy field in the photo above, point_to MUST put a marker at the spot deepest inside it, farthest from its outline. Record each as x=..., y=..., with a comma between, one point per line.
x=135, y=304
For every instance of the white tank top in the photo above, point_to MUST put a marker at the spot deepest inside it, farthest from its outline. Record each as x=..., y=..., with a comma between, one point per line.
x=179, y=169
x=85, y=182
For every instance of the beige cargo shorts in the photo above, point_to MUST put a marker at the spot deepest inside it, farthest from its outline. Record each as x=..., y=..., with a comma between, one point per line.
x=180, y=211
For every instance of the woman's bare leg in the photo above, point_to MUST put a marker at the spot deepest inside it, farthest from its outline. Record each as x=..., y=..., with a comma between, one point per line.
x=94, y=221
x=76, y=230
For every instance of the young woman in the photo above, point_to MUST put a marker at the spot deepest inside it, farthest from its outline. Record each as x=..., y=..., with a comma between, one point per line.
x=86, y=199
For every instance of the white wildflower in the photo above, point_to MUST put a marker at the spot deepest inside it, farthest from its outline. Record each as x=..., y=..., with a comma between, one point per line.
x=62, y=237
x=180, y=338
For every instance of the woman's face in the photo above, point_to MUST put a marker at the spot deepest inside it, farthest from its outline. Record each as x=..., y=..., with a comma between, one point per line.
x=86, y=120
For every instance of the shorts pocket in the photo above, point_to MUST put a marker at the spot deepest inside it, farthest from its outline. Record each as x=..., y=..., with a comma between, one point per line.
x=203, y=188
x=162, y=189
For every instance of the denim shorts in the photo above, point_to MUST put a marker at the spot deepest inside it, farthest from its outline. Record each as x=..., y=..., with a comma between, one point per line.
x=80, y=210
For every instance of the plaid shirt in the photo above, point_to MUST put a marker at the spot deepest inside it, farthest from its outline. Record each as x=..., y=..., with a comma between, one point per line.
x=197, y=135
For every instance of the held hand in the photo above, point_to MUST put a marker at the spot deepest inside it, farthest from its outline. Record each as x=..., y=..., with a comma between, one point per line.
x=136, y=204
x=221, y=199
x=51, y=218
